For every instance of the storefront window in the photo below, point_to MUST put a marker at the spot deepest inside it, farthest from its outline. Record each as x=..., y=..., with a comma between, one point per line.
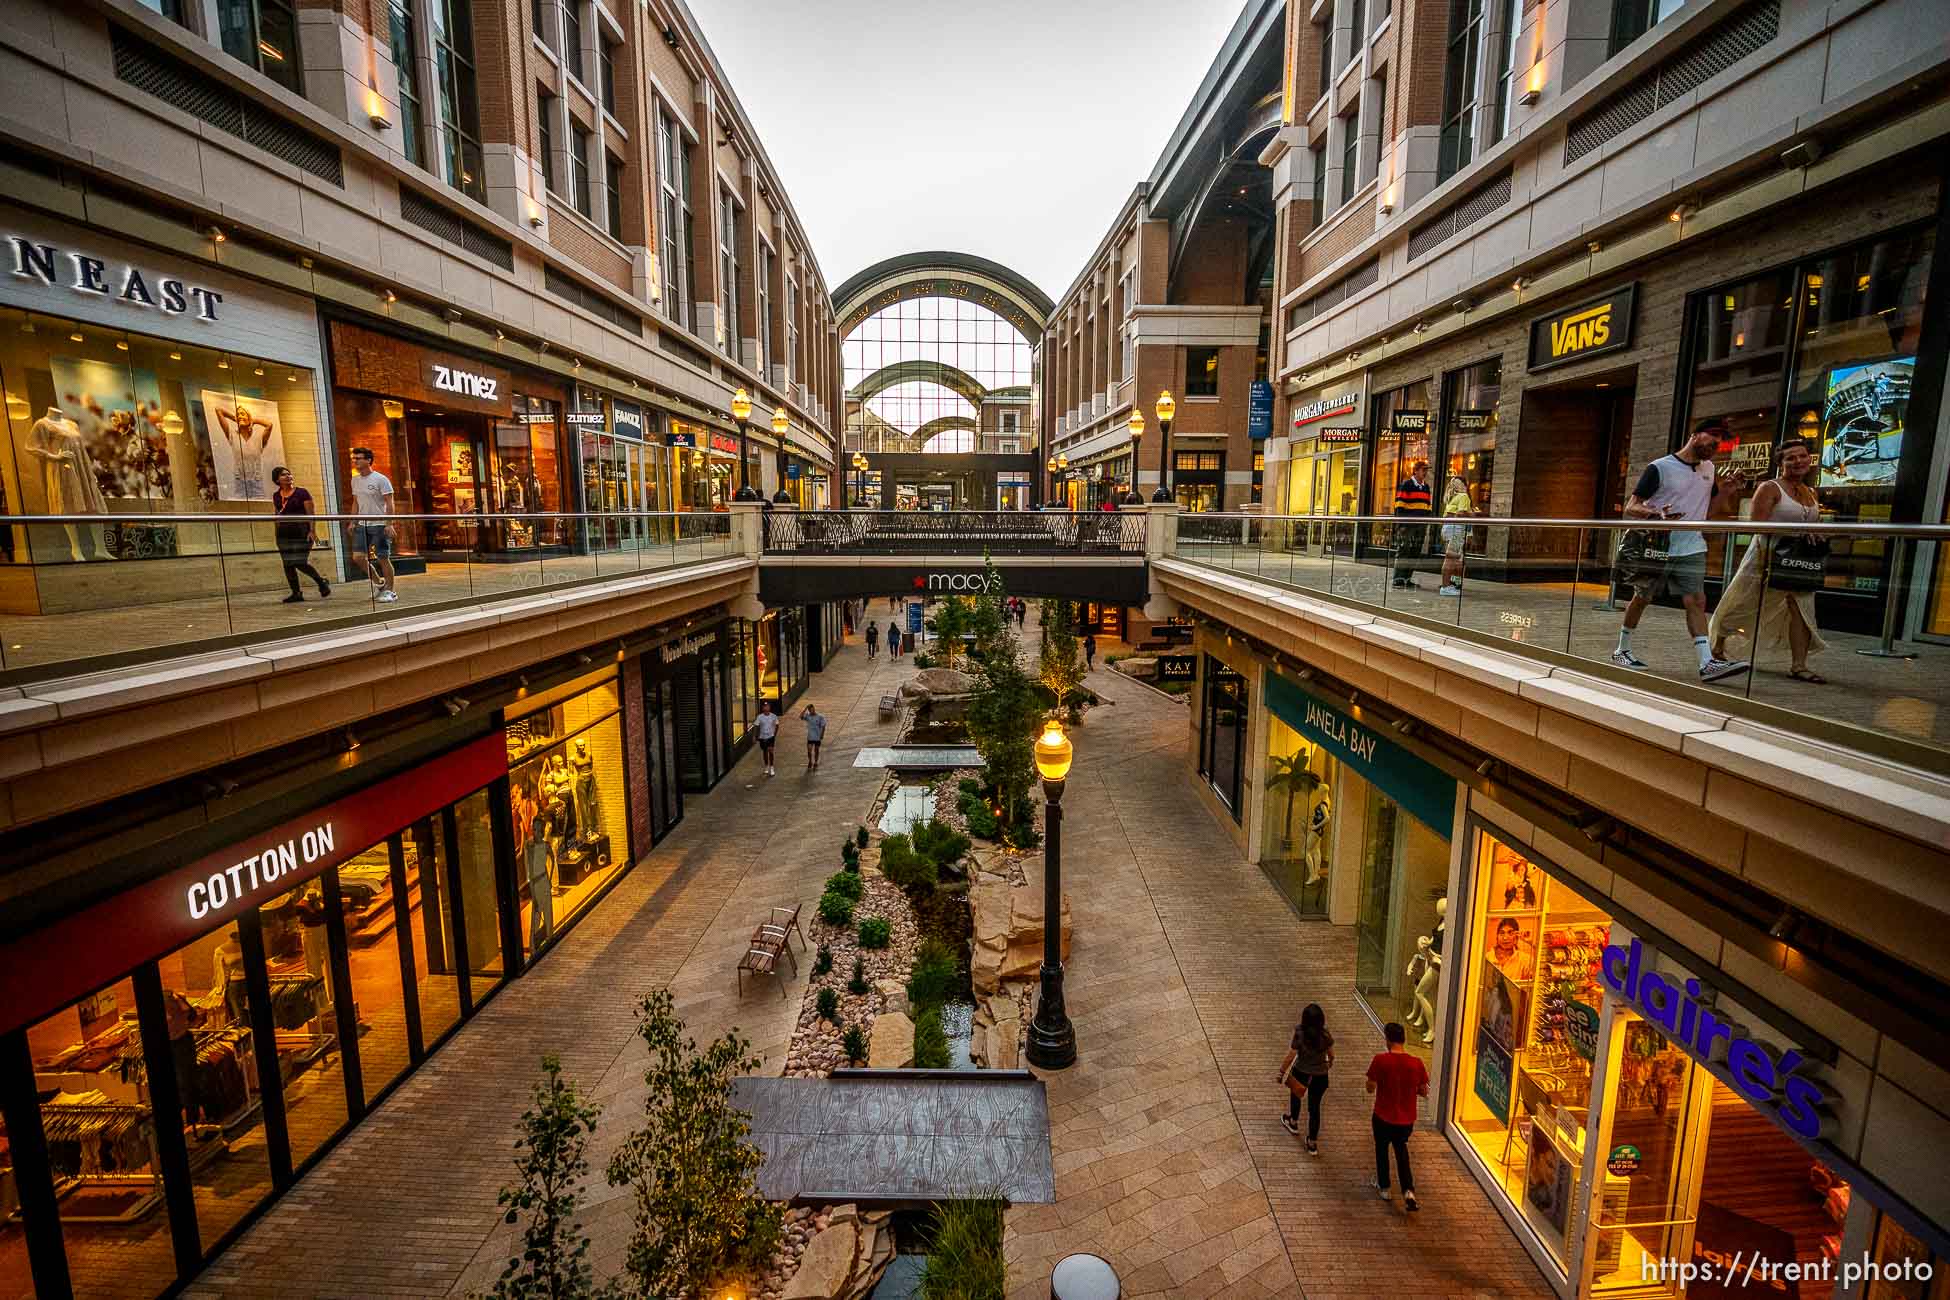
x=373, y=935
x=1198, y=479
x=101, y=1142
x=1223, y=737
x=1397, y=922
x=436, y=962
x=310, y=1058
x=1299, y=811
x=738, y=663
x=566, y=780
x=769, y=662
x=1905, y=1268
x=1528, y=1037
x=525, y=473
x=1397, y=450
x=474, y=860
x=103, y=423
x=1469, y=421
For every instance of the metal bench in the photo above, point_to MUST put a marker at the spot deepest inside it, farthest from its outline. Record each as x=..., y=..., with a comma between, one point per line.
x=760, y=961
x=889, y=706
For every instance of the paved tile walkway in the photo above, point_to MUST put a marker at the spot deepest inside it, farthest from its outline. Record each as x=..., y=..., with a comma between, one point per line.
x=1186, y=974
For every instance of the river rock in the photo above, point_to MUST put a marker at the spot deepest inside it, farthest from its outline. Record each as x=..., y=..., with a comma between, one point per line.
x=893, y=996
x=892, y=1047
x=827, y=1266
x=1144, y=666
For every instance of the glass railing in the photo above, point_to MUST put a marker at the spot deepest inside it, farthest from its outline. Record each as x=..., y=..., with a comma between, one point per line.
x=958, y=532
x=1830, y=626
x=87, y=591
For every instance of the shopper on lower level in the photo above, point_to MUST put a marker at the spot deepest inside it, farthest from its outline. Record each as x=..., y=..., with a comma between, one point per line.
x=1414, y=503
x=1089, y=651
x=873, y=640
x=372, y=536
x=1304, y=1072
x=1683, y=485
x=766, y=725
x=1397, y=1080
x=1456, y=504
x=815, y=733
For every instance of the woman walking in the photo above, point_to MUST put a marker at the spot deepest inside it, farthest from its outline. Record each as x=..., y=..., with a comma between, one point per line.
x=1304, y=1073
x=1758, y=616
x=293, y=507
x=1456, y=503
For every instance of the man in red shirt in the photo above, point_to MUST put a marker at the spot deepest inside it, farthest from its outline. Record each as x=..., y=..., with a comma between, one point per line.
x=1396, y=1079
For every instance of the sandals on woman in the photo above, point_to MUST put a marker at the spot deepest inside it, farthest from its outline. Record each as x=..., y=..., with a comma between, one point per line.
x=1808, y=676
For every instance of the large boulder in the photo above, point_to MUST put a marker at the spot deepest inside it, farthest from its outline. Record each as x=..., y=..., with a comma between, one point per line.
x=893, y=996
x=1145, y=666
x=943, y=681
x=826, y=1269
x=892, y=1047
x=1009, y=932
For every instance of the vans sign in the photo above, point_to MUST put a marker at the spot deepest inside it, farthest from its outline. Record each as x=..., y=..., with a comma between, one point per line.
x=1592, y=328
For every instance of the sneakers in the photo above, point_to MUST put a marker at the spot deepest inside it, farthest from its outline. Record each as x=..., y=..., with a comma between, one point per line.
x=1408, y=1198
x=1313, y=1147
x=1626, y=659
x=1448, y=590
x=1290, y=1124
x=1715, y=669
x=295, y=598
x=387, y=597
x=1385, y=1194
x=324, y=590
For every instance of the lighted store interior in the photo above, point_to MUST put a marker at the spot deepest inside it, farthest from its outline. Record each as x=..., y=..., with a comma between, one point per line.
x=1663, y=1161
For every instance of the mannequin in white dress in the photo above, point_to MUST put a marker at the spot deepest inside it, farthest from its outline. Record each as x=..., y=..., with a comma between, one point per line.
x=67, y=476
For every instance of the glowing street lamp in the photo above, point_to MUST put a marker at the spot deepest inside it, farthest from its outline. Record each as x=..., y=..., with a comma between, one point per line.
x=780, y=423
x=741, y=411
x=1052, y=1038
x=1136, y=425
x=1166, y=409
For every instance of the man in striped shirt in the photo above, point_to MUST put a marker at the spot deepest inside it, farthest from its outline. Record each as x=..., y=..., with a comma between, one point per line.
x=1414, y=500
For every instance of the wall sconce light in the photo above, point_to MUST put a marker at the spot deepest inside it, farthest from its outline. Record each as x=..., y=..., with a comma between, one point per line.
x=452, y=313
x=1594, y=246
x=216, y=235
x=1421, y=327
x=1462, y=305
x=376, y=109
x=1681, y=212
x=391, y=409
x=391, y=296
x=1533, y=84
x=1519, y=284
x=1388, y=201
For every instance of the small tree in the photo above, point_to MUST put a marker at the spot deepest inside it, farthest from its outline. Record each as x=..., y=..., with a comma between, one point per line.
x=551, y=1156
x=1003, y=713
x=987, y=617
x=699, y=1218
x=950, y=623
x=1062, y=667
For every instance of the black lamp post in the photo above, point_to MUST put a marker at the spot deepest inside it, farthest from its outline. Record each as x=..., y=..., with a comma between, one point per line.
x=1166, y=409
x=1136, y=425
x=741, y=411
x=1052, y=1038
x=780, y=423
x=1049, y=482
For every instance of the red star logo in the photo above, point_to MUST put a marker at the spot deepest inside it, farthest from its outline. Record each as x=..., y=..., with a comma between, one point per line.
x=919, y=582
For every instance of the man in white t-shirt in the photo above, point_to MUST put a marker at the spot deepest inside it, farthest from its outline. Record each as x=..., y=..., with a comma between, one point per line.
x=1683, y=485
x=766, y=724
x=372, y=497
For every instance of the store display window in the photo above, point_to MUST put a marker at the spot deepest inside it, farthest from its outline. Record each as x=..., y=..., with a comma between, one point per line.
x=1222, y=735
x=1528, y=1030
x=1822, y=352
x=1297, y=834
x=1469, y=425
x=1198, y=480
x=103, y=423
x=1397, y=450
x=567, y=785
x=304, y=1013
x=1905, y=1268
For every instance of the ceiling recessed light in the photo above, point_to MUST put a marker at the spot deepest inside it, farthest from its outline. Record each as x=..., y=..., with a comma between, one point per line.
x=257, y=370
x=175, y=356
x=121, y=345
x=76, y=337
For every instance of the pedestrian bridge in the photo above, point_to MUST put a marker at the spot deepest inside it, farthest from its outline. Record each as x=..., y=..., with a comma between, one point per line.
x=815, y=555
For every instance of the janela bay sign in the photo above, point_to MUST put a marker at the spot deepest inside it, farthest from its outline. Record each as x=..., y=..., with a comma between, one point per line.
x=1339, y=728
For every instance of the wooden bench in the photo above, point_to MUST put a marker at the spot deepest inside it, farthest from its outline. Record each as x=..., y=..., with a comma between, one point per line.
x=786, y=921
x=889, y=706
x=760, y=961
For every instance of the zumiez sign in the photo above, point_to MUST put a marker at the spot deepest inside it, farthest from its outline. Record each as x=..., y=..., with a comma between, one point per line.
x=98, y=278
x=1769, y=1081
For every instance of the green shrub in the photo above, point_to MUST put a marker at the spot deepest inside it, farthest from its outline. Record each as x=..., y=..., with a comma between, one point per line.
x=982, y=822
x=857, y=986
x=835, y=909
x=854, y=1043
x=875, y=932
x=930, y=1041
x=966, y=1261
x=850, y=854
x=822, y=960
x=935, y=974
x=860, y=837
x=828, y=1004
x=924, y=660
x=939, y=843
x=1023, y=834
x=906, y=868
x=969, y=785
x=847, y=884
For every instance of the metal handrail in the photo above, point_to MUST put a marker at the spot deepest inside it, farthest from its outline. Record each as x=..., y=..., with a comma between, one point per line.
x=1929, y=532
x=217, y=517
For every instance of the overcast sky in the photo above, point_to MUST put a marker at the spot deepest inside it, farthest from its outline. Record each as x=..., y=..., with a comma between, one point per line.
x=1013, y=129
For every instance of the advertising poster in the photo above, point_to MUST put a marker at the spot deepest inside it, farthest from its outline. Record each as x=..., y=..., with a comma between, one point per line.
x=1492, y=1083
x=1504, y=1004
x=1513, y=945
x=1547, y=1180
x=120, y=415
x=1862, y=423
x=246, y=443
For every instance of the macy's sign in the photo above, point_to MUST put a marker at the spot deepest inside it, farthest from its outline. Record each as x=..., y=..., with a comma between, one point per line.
x=951, y=582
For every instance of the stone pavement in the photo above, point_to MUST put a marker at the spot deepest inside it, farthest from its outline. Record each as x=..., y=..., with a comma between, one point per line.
x=1187, y=972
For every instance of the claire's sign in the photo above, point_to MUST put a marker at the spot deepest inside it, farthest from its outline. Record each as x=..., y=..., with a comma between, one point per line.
x=1771, y=1082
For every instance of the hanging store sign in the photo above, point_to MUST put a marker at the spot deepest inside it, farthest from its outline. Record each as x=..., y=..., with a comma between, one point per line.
x=586, y=419
x=1341, y=435
x=1592, y=328
x=1687, y=1014
x=696, y=643
x=1409, y=422
x=49, y=968
x=97, y=277
x=1177, y=668
x=1326, y=408
x=1259, y=410
x=680, y=438
x=444, y=378
x=628, y=420
x=724, y=443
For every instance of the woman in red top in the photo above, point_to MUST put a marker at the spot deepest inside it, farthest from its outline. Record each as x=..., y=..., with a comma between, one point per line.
x=1397, y=1080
